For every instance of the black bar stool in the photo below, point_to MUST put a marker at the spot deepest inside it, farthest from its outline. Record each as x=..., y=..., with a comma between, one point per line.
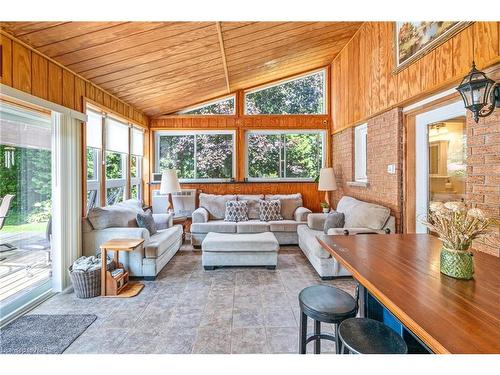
x=368, y=336
x=325, y=304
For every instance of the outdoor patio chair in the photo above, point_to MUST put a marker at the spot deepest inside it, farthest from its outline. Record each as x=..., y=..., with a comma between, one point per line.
x=4, y=210
x=91, y=202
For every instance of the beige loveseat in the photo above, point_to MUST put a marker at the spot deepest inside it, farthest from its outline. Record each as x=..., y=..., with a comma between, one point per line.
x=119, y=221
x=360, y=217
x=209, y=217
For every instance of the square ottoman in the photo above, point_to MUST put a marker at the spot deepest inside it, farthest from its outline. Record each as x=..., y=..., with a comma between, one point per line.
x=239, y=249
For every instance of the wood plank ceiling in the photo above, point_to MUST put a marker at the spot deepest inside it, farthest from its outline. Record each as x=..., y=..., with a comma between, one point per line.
x=161, y=67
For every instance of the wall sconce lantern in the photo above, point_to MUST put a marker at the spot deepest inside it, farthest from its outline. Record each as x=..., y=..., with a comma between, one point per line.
x=481, y=95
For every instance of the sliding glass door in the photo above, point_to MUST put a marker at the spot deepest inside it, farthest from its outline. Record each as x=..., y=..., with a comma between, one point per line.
x=26, y=164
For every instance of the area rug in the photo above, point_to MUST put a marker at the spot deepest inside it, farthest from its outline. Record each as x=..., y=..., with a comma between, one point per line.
x=43, y=334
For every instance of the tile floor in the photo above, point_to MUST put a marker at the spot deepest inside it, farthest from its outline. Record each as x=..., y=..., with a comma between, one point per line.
x=189, y=310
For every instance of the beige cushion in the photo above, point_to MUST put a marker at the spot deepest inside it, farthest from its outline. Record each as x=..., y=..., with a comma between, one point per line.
x=133, y=204
x=215, y=204
x=252, y=204
x=359, y=214
x=289, y=203
x=252, y=226
x=316, y=221
x=162, y=241
x=284, y=225
x=112, y=217
x=250, y=242
x=308, y=237
x=214, y=226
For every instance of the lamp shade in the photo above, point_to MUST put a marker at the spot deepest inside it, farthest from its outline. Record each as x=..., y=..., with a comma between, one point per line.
x=327, y=180
x=169, y=182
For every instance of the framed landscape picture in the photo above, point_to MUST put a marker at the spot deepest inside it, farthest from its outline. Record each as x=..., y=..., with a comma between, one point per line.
x=415, y=39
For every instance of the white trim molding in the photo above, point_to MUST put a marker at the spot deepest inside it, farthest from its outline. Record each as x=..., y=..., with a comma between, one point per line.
x=21, y=95
x=67, y=203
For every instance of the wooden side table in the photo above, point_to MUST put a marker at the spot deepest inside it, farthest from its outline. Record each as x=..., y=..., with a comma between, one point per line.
x=181, y=220
x=119, y=286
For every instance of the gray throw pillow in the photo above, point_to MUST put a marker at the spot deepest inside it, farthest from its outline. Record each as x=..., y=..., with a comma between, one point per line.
x=270, y=210
x=145, y=220
x=334, y=220
x=236, y=211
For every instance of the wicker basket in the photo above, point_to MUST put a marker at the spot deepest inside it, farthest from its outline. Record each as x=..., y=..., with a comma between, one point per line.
x=88, y=284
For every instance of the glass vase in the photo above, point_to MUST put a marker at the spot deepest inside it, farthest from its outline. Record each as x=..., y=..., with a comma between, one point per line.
x=457, y=263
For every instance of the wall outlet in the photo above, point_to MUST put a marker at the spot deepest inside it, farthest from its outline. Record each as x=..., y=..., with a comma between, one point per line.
x=391, y=168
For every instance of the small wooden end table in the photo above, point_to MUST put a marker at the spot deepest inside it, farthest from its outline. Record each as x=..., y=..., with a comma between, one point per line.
x=119, y=286
x=182, y=220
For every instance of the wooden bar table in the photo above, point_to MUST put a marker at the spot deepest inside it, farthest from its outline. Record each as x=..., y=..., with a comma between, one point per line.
x=402, y=272
x=119, y=286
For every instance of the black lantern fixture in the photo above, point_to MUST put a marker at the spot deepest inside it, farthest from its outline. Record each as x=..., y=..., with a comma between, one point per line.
x=480, y=94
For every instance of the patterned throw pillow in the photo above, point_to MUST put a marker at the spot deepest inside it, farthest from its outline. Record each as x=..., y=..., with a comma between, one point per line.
x=236, y=211
x=270, y=210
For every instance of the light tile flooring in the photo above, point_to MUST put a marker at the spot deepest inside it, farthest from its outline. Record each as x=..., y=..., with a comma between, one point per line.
x=189, y=310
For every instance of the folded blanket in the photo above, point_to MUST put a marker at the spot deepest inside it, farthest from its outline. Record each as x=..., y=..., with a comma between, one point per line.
x=87, y=264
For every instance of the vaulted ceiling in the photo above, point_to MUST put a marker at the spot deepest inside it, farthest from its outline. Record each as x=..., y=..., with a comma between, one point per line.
x=161, y=67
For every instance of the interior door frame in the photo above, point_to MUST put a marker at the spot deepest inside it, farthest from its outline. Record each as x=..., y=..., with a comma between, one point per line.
x=409, y=153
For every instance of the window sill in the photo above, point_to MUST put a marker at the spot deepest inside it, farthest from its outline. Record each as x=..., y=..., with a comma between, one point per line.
x=363, y=184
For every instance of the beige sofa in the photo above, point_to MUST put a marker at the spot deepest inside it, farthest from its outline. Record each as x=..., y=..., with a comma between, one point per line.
x=119, y=221
x=360, y=217
x=209, y=217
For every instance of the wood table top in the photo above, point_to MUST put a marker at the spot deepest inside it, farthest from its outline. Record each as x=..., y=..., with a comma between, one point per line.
x=122, y=244
x=402, y=272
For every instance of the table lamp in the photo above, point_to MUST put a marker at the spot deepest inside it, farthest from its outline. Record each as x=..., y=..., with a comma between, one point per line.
x=169, y=184
x=327, y=182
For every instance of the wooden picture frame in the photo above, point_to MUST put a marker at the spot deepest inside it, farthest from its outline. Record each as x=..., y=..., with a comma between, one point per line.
x=435, y=37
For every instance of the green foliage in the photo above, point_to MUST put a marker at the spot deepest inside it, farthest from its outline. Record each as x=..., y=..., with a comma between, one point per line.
x=91, y=153
x=41, y=212
x=114, y=165
x=28, y=178
x=264, y=155
x=224, y=107
x=213, y=155
x=177, y=152
x=284, y=155
x=301, y=96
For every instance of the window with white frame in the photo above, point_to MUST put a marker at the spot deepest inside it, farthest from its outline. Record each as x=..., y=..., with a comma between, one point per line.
x=94, y=162
x=284, y=155
x=301, y=95
x=136, y=154
x=117, y=141
x=360, y=142
x=197, y=155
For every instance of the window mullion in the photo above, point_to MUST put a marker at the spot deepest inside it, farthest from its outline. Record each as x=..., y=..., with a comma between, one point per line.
x=195, y=162
x=283, y=145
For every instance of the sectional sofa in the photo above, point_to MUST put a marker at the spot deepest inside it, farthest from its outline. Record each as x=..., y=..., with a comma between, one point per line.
x=209, y=217
x=360, y=218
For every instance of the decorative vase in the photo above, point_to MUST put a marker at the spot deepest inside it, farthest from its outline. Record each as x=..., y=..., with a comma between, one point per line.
x=326, y=210
x=457, y=263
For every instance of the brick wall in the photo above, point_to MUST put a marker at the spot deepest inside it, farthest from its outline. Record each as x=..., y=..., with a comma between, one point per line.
x=384, y=146
x=483, y=172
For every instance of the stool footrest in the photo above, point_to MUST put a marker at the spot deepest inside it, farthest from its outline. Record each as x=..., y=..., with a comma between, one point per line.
x=322, y=336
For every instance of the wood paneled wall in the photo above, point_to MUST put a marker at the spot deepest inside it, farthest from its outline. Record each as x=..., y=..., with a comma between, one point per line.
x=241, y=123
x=26, y=69
x=310, y=195
x=363, y=81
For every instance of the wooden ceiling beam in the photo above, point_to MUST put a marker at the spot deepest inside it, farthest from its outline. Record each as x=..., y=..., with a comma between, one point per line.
x=223, y=54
